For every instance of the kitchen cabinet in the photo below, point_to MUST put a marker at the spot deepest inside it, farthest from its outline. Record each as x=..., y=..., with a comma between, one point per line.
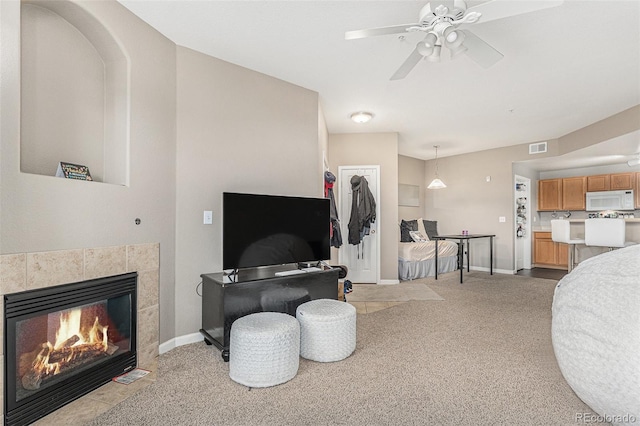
x=573, y=193
x=562, y=193
x=622, y=181
x=548, y=253
x=550, y=194
x=598, y=183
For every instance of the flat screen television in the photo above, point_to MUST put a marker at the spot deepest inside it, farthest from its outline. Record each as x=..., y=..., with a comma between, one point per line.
x=263, y=230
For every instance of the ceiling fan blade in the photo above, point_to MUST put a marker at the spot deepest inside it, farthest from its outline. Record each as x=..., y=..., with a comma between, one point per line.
x=407, y=65
x=495, y=9
x=371, y=32
x=480, y=51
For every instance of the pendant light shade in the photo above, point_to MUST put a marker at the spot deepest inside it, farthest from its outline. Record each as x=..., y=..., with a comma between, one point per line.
x=436, y=183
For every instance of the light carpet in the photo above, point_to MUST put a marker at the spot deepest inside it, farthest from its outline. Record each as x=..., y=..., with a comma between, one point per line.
x=483, y=356
x=402, y=292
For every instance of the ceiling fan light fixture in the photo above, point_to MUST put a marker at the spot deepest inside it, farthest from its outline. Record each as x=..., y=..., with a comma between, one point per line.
x=361, y=117
x=456, y=51
x=435, y=56
x=455, y=43
x=450, y=34
x=424, y=49
x=427, y=46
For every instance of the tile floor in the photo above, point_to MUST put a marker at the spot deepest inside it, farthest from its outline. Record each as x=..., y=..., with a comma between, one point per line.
x=90, y=406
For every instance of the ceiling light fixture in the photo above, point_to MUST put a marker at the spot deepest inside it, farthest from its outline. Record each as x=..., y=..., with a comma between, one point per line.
x=361, y=117
x=436, y=183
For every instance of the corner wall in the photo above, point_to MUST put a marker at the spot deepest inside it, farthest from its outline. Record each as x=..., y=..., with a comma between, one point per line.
x=238, y=131
x=44, y=213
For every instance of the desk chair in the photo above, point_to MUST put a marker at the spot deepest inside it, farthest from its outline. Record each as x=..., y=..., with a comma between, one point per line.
x=605, y=232
x=561, y=233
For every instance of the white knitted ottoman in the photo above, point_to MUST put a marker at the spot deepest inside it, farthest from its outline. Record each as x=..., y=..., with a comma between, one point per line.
x=264, y=349
x=327, y=330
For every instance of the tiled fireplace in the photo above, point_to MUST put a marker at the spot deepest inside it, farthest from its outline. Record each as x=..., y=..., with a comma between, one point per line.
x=43, y=274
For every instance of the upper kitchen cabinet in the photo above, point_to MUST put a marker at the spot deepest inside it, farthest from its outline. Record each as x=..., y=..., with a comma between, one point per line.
x=573, y=193
x=598, y=183
x=562, y=193
x=622, y=181
x=550, y=194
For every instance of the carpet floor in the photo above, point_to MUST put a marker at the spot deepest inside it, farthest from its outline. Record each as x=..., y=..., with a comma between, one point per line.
x=481, y=356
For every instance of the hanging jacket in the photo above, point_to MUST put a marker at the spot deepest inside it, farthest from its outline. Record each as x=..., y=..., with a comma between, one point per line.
x=336, y=234
x=363, y=210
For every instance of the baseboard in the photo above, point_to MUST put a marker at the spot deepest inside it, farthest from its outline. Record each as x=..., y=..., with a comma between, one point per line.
x=180, y=341
x=389, y=282
x=495, y=271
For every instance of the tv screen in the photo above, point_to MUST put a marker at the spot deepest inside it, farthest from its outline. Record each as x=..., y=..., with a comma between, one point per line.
x=262, y=230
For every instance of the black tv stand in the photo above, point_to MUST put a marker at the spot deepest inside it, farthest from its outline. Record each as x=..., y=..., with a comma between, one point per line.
x=225, y=299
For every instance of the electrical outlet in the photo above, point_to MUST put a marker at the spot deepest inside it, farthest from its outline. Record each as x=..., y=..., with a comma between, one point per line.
x=208, y=217
x=502, y=219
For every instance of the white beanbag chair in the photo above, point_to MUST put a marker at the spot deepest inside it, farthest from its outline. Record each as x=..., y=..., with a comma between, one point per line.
x=596, y=333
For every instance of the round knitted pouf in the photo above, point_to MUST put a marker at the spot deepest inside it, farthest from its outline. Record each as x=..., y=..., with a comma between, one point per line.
x=595, y=332
x=264, y=349
x=327, y=330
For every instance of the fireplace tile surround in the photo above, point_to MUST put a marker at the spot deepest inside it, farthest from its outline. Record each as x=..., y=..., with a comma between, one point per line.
x=27, y=271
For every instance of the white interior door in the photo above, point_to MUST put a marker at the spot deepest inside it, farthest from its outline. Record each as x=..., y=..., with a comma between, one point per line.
x=363, y=260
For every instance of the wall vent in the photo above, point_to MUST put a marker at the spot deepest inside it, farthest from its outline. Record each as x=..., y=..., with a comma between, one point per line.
x=537, y=148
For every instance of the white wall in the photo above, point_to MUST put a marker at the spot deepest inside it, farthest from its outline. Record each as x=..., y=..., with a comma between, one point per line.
x=43, y=213
x=238, y=131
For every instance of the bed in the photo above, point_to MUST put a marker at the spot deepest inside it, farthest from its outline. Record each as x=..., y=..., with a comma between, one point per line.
x=416, y=259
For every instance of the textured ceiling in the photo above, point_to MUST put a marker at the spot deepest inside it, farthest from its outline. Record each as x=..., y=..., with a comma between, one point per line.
x=563, y=68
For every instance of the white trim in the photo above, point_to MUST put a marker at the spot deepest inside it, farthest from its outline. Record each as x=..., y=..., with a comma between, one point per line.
x=389, y=282
x=495, y=271
x=180, y=341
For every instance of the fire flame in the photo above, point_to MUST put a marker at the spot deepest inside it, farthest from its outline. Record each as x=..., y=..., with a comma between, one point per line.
x=71, y=335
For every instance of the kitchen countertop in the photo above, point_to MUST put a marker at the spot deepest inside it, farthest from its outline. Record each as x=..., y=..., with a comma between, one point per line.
x=547, y=228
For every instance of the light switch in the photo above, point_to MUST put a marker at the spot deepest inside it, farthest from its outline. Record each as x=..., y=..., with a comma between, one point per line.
x=502, y=219
x=208, y=217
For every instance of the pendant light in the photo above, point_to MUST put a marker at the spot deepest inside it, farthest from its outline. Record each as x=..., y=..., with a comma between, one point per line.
x=436, y=183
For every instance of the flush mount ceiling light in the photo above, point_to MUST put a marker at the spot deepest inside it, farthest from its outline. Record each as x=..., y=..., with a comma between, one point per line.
x=436, y=183
x=361, y=117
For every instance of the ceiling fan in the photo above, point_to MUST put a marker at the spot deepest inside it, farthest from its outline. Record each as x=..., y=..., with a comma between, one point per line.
x=440, y=20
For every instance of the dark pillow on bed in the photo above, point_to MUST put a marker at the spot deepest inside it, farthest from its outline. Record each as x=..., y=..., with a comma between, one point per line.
x=431, y=227
x=405, y=227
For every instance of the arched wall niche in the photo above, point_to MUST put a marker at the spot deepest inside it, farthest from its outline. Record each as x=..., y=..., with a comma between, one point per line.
x=74, y=93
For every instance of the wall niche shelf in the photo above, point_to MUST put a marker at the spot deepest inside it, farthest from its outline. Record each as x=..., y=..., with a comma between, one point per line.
x=74, y=93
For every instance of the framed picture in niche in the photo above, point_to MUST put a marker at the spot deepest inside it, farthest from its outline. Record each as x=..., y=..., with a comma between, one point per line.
x=73, y=171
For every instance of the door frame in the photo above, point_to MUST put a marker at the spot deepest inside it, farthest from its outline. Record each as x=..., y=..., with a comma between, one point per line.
x=528, y=238
x=378, y=221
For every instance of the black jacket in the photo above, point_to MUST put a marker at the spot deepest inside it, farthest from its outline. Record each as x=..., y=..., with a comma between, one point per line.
x=363, y=210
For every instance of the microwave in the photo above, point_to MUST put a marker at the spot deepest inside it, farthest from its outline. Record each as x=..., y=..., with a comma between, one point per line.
x=610, y=200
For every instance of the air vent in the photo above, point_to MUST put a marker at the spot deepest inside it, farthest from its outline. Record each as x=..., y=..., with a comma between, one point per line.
x=537, y=148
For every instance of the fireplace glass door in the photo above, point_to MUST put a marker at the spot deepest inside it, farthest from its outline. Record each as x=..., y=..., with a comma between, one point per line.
x=65, y=341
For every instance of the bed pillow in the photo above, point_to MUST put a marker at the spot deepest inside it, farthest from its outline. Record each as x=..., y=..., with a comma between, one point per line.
x=405, y=227
x=431, y=228
x=418, y=237
x=421, y=229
